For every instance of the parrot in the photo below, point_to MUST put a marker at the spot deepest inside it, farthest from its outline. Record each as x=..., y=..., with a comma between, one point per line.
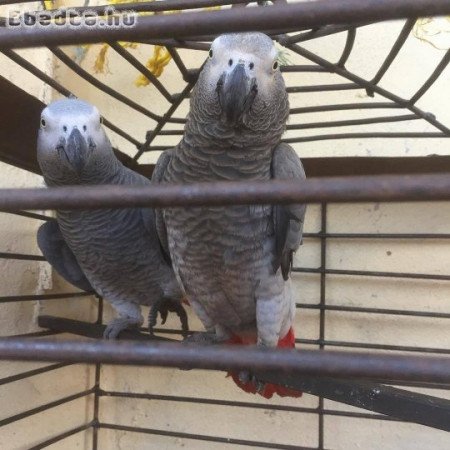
x=113, y=252
x=234, y=262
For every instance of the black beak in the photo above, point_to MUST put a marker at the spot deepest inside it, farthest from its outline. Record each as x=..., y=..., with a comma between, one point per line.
x=236, y=94
x=77, y=150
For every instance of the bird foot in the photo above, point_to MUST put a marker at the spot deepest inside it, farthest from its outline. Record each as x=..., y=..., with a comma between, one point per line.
x=246, y=377
x=163, y=307
x=116, y=326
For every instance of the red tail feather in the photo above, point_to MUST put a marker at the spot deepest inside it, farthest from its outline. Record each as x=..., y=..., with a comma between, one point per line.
x=287, y=341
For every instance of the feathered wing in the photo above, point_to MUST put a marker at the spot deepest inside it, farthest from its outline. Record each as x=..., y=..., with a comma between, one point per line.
x=288, y=219
x=157, y=178
x=56, y=251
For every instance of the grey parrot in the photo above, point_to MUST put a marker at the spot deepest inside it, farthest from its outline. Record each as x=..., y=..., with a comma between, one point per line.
x=234, y=262
x=114, y=252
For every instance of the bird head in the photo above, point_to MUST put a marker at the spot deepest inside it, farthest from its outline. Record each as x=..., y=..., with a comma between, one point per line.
x=71, y=139
x=241, y=83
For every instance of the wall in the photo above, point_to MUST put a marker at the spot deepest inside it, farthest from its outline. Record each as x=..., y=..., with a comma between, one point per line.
x=414, y=64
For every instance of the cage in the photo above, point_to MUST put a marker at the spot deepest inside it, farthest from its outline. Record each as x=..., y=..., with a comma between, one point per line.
x=368, y=83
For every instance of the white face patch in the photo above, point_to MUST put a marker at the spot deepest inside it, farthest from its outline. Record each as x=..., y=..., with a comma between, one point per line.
x=60, y=118
x=255, y=51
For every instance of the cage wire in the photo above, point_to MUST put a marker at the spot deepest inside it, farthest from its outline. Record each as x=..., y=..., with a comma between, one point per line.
x=382, y=384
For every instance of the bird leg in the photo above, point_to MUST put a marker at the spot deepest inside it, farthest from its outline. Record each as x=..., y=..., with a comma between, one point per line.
x=116, y=326
x=163, y=306
x=129, y=317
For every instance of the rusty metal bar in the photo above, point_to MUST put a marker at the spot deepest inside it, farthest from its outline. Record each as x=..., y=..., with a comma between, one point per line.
x=295, y=15
x=388, y=188
x=163, y=354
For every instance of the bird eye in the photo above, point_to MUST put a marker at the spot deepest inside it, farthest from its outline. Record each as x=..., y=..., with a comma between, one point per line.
x=251, y=65
x=230, y=62
x=275, y=65
x=43, y=123
x=210, y=53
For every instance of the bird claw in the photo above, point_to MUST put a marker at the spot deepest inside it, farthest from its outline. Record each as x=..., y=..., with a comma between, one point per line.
x=163, y=307
x=116, y=326
x=245, y=377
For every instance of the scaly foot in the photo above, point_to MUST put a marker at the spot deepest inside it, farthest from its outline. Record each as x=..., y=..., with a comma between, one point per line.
x=116, y=326
x=163, y=307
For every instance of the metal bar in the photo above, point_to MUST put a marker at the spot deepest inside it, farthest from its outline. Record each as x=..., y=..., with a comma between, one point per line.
x=388, y=135
x=32, y=373
x=40, y=297
x=356, y=309
x=29, y=215
x=61, y=436
x=91, y=330
x=417, y=236
x=99, y=85
x=160, y=6
x=369, y=85
x=180, y=64
x=405, y=405
x=318, y=33
x=342, y=107
x=151, y=136
x=21, y=256
x=322, y=300
x=369, y=273
x=388, y=188
x=202, y=437
x=142, y=69
x=295, y=15
x=363, y=345
x=346, y=123
x=33, y=334
x=322, y=88
x=59, y=88
x=433, y=77
x=409, y=24
x=45, y=407
x=336, y=364
x=302, y=68
x=350, y=41
x=97, y=387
